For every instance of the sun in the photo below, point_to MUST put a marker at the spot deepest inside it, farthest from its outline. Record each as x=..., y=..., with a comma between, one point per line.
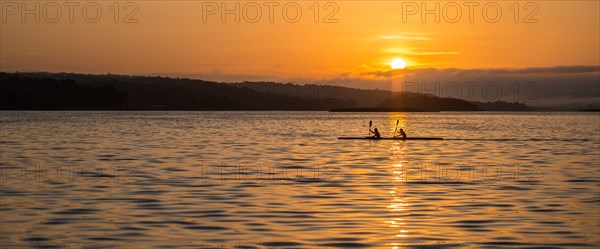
x=398, y=63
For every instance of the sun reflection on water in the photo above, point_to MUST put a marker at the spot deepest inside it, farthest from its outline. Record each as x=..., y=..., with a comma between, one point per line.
x=399, y=206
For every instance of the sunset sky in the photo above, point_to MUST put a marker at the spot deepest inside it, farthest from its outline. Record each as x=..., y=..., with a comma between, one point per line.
x=172, y=39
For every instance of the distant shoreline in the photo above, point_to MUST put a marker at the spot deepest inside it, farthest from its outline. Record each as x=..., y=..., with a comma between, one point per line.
x=88, y=92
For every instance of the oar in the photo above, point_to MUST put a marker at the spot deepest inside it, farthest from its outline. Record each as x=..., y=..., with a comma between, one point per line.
x=370, y=124
x=396, y=129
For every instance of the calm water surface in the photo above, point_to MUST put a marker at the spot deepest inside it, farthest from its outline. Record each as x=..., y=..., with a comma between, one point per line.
x=283, y=180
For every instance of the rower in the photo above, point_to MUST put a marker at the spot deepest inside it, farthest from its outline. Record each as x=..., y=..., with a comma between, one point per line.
x=376, y=134
x=402, y=133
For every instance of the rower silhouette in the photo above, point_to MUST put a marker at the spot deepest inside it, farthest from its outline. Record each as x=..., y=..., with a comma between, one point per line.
x=376, y=134
x=402, y=133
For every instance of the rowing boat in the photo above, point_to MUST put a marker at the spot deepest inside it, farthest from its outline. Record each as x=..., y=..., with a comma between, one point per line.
x=392, y=138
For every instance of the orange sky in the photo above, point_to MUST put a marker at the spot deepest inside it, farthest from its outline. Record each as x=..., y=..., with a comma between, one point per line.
x=170, y=38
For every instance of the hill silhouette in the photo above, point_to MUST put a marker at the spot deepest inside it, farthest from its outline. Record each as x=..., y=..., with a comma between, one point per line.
x=69, y=91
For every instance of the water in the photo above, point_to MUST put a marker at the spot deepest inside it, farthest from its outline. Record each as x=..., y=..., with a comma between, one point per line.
x=282, y=180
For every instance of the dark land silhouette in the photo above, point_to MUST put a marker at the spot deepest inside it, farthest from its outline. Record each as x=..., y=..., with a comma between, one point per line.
x=69, y=91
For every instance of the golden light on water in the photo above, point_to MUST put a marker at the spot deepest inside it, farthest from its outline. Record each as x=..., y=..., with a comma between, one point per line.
x=398, y=206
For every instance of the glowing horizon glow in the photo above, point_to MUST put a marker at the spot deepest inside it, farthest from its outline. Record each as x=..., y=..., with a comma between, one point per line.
x=360, y=46
x=398, y=63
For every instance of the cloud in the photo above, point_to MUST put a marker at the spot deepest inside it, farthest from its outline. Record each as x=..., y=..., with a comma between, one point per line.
x=405, y=37
x=426, y=52
x=539, y=70
x=418, y=52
